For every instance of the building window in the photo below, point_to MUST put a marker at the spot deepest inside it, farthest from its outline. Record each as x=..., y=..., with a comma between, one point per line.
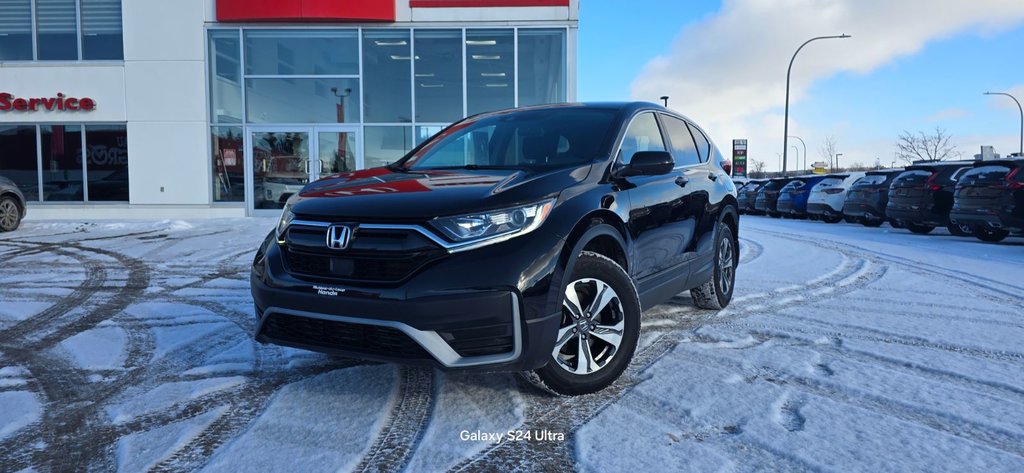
x=15, y=30
x=228, y=164
x=438, y=71
x=302, y=100
x=490, y=70
x=66, y=30
x=385, y=144
x=387, y=76
x=225, y=77
x=18, y=160
x=296, y=52
x=101, y=30
x=542, y=61
x=54, y=156
x=62, y=163
x=106, y=158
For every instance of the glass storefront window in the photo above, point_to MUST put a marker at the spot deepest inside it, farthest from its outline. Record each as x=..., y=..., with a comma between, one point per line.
x=424, y=132
x=302, y=100
x=301, y=52
x=337, y=151
x=490, y=70
x=101, y=30
x=225, y=77
x=18, y=158
x=16, y=30
x=280, y=162
x=438, y=75
x=106, y=157
x=541, y=66
x=62, y=162
x=387, y=76
x=385, y=144
x=57, y=29
x=228, y=164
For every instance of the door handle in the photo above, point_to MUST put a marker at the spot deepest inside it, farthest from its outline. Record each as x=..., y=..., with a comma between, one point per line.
x=681, y=181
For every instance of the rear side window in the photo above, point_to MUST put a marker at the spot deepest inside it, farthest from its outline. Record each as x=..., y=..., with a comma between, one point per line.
x=703, y=145
x=643, y=135
x=683, y=148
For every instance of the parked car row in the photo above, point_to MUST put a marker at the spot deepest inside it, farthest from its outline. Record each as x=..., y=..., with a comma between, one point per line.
x=980, y=198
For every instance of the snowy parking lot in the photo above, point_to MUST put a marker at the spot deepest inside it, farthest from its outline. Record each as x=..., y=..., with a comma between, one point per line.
x=127, y=346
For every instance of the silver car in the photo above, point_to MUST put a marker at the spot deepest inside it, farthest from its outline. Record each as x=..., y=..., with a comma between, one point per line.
x=12, y=205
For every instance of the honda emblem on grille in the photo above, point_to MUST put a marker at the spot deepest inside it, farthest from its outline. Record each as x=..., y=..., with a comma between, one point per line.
x=338, y=237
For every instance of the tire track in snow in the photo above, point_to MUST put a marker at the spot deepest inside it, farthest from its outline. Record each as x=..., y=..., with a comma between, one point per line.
x=405, y=425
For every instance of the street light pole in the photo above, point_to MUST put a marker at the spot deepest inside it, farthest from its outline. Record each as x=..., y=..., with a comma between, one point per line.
x=797, y=150
x=805, y=149
x=837, y=160
x=789, y=72
x=1021, y=109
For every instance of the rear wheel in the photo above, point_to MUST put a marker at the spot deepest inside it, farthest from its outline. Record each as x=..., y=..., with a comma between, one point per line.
x=919, y=229
x=598, y=331
x=895, y=223
x=717, y=293
x=988, y=234
x=10, y=214
x=959, y=229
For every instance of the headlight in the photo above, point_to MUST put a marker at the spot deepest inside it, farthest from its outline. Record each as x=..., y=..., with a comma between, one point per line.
x=497, y=223
x=286, y=219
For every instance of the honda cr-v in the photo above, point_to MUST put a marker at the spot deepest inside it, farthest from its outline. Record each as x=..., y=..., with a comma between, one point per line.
x=524, y=240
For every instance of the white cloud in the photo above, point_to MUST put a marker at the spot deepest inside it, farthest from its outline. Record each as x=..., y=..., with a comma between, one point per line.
x=948, y=114
x=728, y=71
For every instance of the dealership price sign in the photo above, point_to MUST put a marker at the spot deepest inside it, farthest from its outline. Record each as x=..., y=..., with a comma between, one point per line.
x=739, y=158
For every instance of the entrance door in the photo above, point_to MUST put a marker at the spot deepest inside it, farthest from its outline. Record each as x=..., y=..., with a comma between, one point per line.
x=285, y=159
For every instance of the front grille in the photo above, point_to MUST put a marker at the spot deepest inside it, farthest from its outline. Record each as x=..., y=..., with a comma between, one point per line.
x=373, y=255
x=330, y=334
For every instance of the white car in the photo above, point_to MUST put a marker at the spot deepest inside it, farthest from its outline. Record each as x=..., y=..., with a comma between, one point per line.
x=827, y=197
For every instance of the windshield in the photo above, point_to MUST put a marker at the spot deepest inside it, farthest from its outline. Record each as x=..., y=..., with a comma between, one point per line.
x=524, y=139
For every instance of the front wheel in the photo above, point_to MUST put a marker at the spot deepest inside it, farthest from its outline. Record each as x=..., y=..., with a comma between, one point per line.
x=919, y=229
x=10, y=214
x=717, y=293
x=598, y=331
x=991, y=235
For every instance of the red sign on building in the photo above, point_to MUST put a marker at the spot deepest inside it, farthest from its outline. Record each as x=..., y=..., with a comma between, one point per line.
x=63, y=103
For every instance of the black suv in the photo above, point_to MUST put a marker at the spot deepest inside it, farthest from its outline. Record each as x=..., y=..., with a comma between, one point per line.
x=990, y=199
x=767, y=199
x=921, y=197
x=12, y=205
x=748, y=195
x=867, y=199
x=521, y=240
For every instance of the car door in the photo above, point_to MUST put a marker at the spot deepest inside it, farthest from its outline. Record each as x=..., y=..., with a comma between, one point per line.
x=658, y=219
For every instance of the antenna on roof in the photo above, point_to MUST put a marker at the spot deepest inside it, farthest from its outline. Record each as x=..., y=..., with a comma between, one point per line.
x=664, y=98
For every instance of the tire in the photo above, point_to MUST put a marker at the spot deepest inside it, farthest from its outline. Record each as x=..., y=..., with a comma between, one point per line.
x=919, y=229
x=835, y=219
x=872, y=223
x=959, y=230
x=716, y=293
x=895, y=223
x=991, y=235
x=10, y=214
x=618, y=320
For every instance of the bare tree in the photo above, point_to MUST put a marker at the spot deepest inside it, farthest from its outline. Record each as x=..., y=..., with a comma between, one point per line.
x=828, y=150
x=923, y=146
x=858, y=166
x=758, y=167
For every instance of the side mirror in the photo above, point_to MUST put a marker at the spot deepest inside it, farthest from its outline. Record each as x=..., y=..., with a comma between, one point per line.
x=648, y=163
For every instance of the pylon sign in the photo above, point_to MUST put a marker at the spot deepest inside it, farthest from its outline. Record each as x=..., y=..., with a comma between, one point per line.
x=739, y=158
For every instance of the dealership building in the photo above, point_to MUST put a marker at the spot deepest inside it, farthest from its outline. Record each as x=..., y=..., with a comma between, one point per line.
x=224, y=108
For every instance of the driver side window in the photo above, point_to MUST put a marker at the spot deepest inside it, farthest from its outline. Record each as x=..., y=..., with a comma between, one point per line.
x=643, y=135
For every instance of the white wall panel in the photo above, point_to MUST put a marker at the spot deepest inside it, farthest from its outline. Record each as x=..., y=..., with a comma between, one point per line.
x=171, y=156
x=170, y=30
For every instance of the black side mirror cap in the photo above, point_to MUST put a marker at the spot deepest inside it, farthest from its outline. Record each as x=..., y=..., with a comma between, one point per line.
x=648, y=163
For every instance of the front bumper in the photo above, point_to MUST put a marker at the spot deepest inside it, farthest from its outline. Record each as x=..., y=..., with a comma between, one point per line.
x=449, y=314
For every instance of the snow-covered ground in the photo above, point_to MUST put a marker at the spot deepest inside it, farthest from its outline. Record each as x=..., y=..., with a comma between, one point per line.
x=128, y=346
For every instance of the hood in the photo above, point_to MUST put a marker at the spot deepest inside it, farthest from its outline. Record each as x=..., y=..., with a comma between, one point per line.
x=380, y=194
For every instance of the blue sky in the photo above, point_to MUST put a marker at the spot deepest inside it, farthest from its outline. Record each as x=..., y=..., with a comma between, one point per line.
x=865, y=108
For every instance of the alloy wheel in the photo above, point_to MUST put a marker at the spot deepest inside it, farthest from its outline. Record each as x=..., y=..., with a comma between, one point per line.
x=726, y=264
x=8, y=214
x=592, y=327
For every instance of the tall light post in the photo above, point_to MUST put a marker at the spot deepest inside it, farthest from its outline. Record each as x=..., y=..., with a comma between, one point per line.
x=837, y=161
x=797, y=150
x=805, y=149
x=789, y=72
x=1021, y=109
